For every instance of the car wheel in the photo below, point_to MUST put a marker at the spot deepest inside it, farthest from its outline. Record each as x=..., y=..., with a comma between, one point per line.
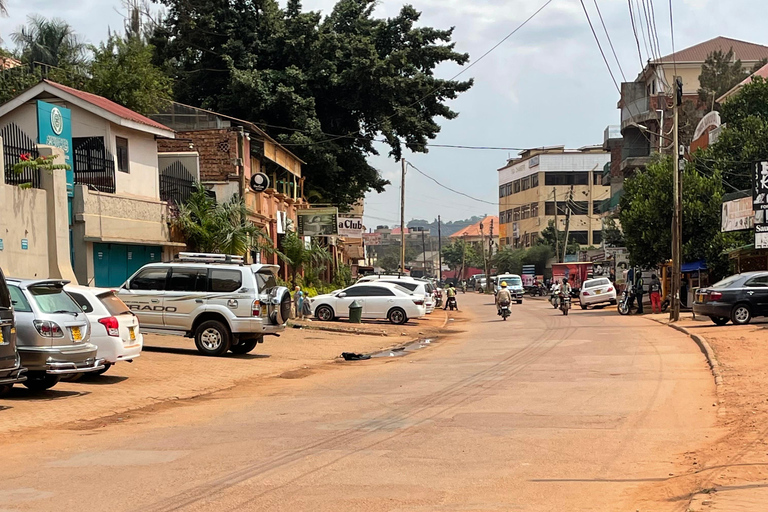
x=581, y=304
x=40, y=382
x=244, y=346
x=324, y=313
x=5, y=389
x=212, y=338
x=741, y=314
x=520, y=301
x=107, y=366
x=397, y=316
x=613, y=302
x=719, y=320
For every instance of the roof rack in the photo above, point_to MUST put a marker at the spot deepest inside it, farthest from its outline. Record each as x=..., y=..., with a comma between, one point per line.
x=205, y=257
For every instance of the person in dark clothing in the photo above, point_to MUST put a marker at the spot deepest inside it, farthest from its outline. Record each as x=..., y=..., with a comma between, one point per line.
x=639, y=283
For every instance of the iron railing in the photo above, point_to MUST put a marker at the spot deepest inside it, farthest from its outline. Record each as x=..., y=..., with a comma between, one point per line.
x=15, y=144
x=94, y=165
x=176, y=183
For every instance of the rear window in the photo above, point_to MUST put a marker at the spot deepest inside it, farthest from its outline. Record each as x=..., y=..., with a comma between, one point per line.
x=594, y=283
x=114, y=305
x=51, y=299
x=728, y=281
x=82, y=302
x=408, y=285
x=265, y=280
x=19, y=301
x=223, y=280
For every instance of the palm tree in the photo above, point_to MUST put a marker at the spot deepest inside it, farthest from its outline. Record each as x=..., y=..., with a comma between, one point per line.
x=50, y=42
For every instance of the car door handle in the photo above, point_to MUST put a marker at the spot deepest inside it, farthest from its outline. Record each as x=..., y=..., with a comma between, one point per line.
x=154, y=301
x=750, y=293
x=199, y=301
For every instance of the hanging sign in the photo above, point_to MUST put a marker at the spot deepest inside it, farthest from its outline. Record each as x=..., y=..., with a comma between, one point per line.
x=351, y=227
x=259, y=182
x=760, y=204
x=318, y=222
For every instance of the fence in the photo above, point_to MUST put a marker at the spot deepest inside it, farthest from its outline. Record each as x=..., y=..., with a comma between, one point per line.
x=94, y=165
x=15, y=144
x=176, y=183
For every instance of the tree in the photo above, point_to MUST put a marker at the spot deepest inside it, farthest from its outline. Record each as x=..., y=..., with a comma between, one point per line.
x=611, y=232
x=389, y=256
x=549, y=238
x=310, y=259
x=326, y=87
x=122, y=71
x=459, y=253
x=508, y=260
x=646, y=214
x=223, y=228
x=46, y=43
x=719, y=73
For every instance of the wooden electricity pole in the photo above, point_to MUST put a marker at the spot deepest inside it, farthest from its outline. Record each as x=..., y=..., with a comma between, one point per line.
x=402, y=218
x=567, y=222
x=677, y=214
x=557, y=228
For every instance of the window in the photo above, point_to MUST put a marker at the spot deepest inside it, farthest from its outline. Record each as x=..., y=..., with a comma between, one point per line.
x=757, y=282
x=114, y=305
x=525, y=212
x=121, y=144
x=580, y=237
x=410, y=286
x=358, y=291
x=566, y=178
x=51, y=299
x=5, y=298
x=516, y=186
x=222, y=280
x=597, y=237
x=526, y=240
x=596, y=207
x=534, y=209
x=525, y=183
x=535, y=180
x=82, y=302
x=516, y=214
x=534, y=238
x=501, y=190
x=594, y=283
x=19, y=301
x=597, y=178
x=549, y=208
x=380, y=291
x=150, y=279
x=188, y=280
x=265, y=280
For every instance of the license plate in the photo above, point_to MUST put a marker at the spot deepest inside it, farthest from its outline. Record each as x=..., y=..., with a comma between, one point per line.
x=598, y=292
x=1, y=336
x=132, y=333
x=76, y=335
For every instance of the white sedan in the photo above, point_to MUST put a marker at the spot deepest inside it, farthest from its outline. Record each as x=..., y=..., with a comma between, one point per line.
x=379, y=301
x=114, y=328
x=597, y=291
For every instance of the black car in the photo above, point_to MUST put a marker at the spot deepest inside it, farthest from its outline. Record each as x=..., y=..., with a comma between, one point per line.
x=11, y=370
x=737, y=298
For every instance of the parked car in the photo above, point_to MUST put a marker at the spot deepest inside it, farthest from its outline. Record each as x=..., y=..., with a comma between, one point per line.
x=11, y=370
x=597, y=291
x=514, y=285
x=418, y=287
x=114, y=328
x=53, y=332
x=214, y=298
x=738, y=298
x=379, y=300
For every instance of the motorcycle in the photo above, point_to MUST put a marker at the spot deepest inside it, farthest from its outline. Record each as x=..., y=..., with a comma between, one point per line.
x=452, y=305
x=504, y=310
x=626, y=303
x=565, y=303
x=553, y=299
x=438, y=299
x=463, y=287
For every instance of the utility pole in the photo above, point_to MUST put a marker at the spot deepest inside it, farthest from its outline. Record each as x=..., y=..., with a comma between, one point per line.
x=439, y=252
x=463, y=256
x=557, y=228
x=485, y=261
x=488, y=261
x=402, y=218
x=677, y=215
x=424, y=252
x=567, y=222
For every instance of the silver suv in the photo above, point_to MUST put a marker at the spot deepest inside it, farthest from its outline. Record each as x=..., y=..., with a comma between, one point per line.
x=214, y=298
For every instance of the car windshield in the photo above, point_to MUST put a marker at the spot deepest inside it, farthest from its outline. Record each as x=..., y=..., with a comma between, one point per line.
x=594, y=283
x=265, y=280
x=52, y=299
x=114, y=305
x=511, y=280
x=728, y=281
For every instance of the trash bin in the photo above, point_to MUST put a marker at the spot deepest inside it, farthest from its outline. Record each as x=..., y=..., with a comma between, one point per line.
x=355, y=312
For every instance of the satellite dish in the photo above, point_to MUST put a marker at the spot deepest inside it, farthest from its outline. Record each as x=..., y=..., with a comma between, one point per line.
x=259, y=182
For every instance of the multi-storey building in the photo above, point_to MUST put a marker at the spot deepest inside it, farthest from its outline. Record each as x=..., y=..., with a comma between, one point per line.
x=548, y=184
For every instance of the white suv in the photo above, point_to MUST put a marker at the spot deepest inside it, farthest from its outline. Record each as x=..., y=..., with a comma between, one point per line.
x=214, y=298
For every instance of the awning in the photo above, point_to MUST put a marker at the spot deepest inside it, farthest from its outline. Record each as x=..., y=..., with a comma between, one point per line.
x=694, y=266
x=132, y=241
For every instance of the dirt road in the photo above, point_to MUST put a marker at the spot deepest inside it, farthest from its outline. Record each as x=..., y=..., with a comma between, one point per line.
x=543, y=412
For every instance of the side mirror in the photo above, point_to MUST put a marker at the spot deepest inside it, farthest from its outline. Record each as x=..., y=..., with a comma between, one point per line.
x=341, y=295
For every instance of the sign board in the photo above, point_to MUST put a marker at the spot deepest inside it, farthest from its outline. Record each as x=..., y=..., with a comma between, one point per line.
x=351, y=227
x=372, y=238
x=533, y=162
x=711, y=120
x=760, y=204
x=54, y=128
x=529, y=269
x=318, y=222
x=738, y=215
x=24, y=244
x=281, y=224
x=1, y=244
x=259, y=182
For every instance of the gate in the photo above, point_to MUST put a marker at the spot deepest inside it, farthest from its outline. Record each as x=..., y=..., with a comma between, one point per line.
x=15, y=144
x=94, y=165
x=176, y=183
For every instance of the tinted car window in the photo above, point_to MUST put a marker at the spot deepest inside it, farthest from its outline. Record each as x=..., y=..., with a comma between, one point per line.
x=51, y=299
x=728, y=281
x=150, y=279
x=408, y=285
x=82, y=302
x=758, y=282
x=5, y=296
x=114, y=305
x=596, y=282
x=19, y=301
x=379, y=291
x=358, y=291
x=265, y=280
x=222, y=280
x=188, y=280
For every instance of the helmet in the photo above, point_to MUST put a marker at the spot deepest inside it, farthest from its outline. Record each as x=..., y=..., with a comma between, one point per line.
x=503, y=284
x=565, y=280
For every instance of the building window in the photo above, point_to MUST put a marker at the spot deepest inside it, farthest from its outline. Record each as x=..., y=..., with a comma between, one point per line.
x=549, y=208
x=501, y=191
x=596, y=208
x=516, y=214
x=525, y=212
x=534, y=209
x=534, y=238
x=121, y=144
x=516, y=186
x=566, y=178
x=525, y=183
x=535, y=180
x=597, y=178
x=580, y=237
x=597, y=237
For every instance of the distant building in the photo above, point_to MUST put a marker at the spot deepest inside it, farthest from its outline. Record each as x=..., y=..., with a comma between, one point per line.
x=547, y=182
x=479, y=232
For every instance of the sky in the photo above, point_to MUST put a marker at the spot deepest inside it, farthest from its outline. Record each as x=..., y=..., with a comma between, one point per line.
x=546, y=85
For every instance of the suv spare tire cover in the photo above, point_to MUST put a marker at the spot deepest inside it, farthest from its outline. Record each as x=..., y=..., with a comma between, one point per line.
x=281, y=302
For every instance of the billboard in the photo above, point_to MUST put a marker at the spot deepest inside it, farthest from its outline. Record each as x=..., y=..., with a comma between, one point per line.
x=351, y=226
x=738, y=215
x=318, y=222
x=54, y=128
x=760, y=204
x=372, y=238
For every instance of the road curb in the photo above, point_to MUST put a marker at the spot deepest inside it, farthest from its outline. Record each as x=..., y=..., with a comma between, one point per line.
x=341, y=330
x=705, y=348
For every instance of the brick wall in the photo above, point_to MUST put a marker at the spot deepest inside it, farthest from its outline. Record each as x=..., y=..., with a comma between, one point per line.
x=217, y=149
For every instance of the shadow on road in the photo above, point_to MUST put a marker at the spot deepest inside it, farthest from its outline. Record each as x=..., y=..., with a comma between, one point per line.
x=194, y=352
x=20, y=393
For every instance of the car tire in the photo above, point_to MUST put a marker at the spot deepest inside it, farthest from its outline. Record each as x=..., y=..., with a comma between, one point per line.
x=719, y=320
x=520, y=301
x=397, y=316
x=107, y=366
x=212, y=338
x=741, y=315
x=41, y=382
x=244, y=346
x=5, y=389
x=614, y=302
x=324, y=313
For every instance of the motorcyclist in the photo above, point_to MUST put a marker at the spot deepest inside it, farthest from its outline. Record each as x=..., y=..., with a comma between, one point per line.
x=503, y=297
x=553, y=292
x=450, y=293
x=565, y=288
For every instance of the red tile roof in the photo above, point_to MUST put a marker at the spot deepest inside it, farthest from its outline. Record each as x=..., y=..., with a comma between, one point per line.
x=742, y=50
x=763, y=72
x=474, y=229
x=109, y=106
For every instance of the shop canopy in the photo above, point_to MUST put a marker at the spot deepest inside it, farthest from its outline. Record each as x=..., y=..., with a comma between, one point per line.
x=694, y=266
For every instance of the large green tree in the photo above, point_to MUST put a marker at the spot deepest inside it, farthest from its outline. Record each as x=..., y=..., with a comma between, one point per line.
x=326, y=87
x=458, y=253
x=50, y=43
x=719, y=73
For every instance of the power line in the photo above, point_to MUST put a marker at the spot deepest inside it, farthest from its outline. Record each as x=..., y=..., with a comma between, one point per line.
x=599, y=46
x=642, y=30
x=655, y=28
x=449, y=188
x=672, y=33
x=609, y=40
x=634, y=31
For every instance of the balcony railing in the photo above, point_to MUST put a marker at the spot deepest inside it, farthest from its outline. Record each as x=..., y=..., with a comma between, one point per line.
x=94, y=165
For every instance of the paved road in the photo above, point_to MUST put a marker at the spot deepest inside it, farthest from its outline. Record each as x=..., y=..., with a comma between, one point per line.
x=543, y=412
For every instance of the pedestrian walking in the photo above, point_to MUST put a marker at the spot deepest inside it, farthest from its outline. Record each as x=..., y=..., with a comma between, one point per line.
x=655, y=289
x=639, y=291
x=298, y=300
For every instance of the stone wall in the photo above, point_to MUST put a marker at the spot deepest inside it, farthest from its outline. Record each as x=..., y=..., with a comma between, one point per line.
x=217, y=150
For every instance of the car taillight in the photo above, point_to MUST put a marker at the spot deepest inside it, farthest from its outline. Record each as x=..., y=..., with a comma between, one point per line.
x=610, y=289
x=111, y=325
x=256, y=308
x=418, y=302
x=48, y=329
x=714, y=296
x=586, y=294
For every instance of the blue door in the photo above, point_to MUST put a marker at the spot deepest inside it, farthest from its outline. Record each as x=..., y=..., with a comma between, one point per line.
x=114, y=263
